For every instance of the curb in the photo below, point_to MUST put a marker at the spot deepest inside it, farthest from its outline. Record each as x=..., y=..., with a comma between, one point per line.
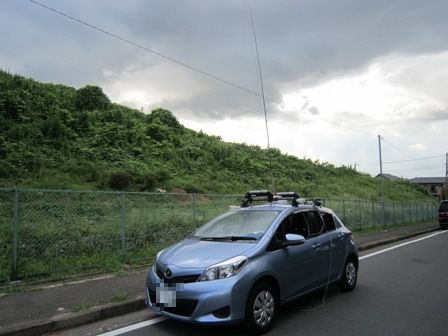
x=75, y=319
x=377, y=243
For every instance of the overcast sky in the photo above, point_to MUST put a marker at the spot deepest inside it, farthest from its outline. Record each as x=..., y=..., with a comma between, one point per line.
x=341, y=72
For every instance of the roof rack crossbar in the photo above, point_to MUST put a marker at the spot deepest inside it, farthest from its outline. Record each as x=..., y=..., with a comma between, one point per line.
x=257, y=195
x=289, y=196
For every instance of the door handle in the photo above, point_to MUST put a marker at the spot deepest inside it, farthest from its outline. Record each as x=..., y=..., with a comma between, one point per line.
x=316, y=245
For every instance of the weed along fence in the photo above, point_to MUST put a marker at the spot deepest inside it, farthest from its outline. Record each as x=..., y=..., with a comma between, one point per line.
x=50, y=233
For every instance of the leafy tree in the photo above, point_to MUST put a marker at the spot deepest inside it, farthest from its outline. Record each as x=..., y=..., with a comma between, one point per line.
x=90, y=98
x=164, y=117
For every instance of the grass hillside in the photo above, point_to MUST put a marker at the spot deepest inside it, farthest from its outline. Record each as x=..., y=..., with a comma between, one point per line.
x=54, y=136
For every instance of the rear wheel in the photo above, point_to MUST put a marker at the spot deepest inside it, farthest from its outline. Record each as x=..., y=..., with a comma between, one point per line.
x=349, y=275
x=261, y=308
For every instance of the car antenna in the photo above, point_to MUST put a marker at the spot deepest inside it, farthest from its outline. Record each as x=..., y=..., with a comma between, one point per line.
x=271, y=172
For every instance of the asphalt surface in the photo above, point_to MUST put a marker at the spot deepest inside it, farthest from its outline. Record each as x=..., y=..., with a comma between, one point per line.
x=403, y=291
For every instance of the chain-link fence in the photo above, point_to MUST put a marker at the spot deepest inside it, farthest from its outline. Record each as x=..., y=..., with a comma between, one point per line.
x=361, y=215
x=49, y=233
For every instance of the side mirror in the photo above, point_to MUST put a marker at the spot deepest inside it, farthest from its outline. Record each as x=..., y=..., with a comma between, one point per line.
x=293, y=239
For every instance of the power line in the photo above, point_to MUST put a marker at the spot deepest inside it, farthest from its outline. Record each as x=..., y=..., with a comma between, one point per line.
x=183, y=64
x=397, y=149
x=140, y=46
x=425, y=167
x=404, y=161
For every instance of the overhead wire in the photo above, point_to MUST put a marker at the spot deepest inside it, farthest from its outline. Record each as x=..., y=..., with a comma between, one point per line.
x=181, y=63
x=404, y=161
x=152, y=51
x=397, y=149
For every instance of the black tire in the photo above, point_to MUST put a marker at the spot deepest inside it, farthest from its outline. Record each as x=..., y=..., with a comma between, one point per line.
x=443, y=226
x=261, y=308
x=349, y=275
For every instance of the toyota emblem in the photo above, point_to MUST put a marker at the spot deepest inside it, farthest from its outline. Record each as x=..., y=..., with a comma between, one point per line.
x=168, y=273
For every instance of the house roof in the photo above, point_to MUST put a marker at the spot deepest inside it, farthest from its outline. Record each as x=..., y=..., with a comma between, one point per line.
x=389, y=177
x=428, y=180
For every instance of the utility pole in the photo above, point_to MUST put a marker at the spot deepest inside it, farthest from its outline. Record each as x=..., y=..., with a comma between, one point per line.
x=445, y=190
x=446, y=170
x=382, y=181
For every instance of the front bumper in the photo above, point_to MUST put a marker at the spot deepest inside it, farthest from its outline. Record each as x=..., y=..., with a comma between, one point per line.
x=208, y=302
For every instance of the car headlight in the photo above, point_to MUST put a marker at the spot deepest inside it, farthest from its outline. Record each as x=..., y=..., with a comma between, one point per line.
x=224, y=269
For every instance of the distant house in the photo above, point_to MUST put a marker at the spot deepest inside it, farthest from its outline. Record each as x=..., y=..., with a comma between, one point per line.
x=434, y=184
x=388, y=177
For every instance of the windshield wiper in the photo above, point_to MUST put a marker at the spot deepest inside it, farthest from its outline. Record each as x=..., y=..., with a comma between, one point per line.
x=228, y=238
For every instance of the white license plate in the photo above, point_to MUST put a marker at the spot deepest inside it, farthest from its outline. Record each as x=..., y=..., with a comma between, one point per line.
x=166, y=296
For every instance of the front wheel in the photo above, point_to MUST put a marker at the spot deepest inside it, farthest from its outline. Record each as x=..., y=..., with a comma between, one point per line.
x=349, y=276
x=261, y=308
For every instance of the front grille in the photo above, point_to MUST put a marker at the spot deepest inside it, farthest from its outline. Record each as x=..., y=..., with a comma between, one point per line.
x=184, y=307
x=180, y=279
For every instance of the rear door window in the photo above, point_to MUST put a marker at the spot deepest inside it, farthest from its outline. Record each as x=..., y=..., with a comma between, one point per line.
x=315, y=223
x=443, y=207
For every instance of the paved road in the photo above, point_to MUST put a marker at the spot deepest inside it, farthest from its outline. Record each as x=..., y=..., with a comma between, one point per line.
x=403, y=291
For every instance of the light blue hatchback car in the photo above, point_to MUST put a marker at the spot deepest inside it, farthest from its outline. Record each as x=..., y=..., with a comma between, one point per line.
x=244, y=264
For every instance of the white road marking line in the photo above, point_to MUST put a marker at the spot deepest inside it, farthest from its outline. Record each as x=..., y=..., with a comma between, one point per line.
x=162, y=318
x=400, y=245
x=134, y=326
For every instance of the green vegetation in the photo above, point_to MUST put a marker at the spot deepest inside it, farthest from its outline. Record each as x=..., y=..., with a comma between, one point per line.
x=54, y=136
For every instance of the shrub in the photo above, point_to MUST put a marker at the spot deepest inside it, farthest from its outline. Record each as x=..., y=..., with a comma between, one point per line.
x=120, y=180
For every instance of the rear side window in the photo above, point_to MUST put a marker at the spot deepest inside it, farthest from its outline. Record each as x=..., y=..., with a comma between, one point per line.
x=443, y=207
x=316, y=226
x=337, y=221
x=330, y=225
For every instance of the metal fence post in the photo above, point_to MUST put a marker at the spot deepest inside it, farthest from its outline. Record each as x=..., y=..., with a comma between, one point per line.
x=416, y=212
x=360, y=215
x=402, y=213
x=393, y=211
x=123, y=227
x=193, y=200
x=343, y=210
x=15, y=256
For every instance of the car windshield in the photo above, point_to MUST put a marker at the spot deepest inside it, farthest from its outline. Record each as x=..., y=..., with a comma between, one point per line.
x=237, y=225
x=444, y=206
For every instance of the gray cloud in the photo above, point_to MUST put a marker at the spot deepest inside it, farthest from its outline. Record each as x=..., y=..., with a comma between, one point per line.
x=302, y=43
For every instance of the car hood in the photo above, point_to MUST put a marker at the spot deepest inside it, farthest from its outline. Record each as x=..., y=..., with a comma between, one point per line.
x=194, y=253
